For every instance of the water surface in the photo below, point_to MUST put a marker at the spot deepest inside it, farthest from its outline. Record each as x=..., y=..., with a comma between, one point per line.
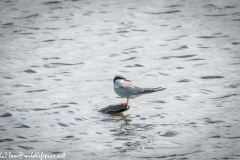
x=58, y=60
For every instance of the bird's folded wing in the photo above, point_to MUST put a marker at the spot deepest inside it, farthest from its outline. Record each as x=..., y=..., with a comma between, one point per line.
x=129, y=89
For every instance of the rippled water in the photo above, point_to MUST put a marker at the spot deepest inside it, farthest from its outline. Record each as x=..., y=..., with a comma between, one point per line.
x=59, y=58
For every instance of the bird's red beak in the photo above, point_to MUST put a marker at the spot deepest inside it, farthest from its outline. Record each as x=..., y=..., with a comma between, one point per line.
x=126, y=80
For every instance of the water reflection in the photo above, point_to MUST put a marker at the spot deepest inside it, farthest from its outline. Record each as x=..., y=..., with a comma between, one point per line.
x=119, y=117
x=126, y=131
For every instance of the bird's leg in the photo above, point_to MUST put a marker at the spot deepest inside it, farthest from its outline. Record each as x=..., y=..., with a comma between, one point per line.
x=126, y=102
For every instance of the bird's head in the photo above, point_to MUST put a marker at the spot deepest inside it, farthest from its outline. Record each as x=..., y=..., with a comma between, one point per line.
x=120, y=78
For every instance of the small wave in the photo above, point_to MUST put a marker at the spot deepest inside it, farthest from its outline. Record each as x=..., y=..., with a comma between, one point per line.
x=64, y=106
x=170, y=134
x=25, y=147
x=209, y=120
x=157, y=101
x=181, y=48
x=30, y=16
x=30, y=71
x=184, y=56
x=49, y=40
x=6, y=115
x=41, y=90
x=135, y=65
x=20, y=85
x=66, y=64
x=216, y=15
x=212, y=77
x=6, y=140
x=22, y=126
x=167, y=12
x=52, y=2
x=63, y=124
x=226, y=96
x=40, y=109
x=235, y=43
x=129, y=59
x=184, y=80
x=196, y=59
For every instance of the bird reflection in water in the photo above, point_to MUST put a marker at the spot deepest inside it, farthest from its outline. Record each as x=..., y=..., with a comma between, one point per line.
x=126, y=130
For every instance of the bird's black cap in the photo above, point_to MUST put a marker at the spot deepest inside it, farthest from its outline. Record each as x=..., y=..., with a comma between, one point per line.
x=118, y=77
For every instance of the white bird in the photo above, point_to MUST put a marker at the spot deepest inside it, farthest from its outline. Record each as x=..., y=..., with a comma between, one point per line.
x=127, y=90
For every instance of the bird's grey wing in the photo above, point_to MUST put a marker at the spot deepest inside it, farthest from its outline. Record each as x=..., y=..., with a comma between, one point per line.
x=139, y=91
x=128, y=89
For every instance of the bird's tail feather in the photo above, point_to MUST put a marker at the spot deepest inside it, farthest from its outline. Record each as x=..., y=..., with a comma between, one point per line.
x=150, y=90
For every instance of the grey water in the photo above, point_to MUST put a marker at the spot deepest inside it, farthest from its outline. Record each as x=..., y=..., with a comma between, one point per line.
x=57, y=64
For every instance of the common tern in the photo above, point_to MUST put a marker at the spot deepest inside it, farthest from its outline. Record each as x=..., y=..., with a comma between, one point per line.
x=127, y=90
